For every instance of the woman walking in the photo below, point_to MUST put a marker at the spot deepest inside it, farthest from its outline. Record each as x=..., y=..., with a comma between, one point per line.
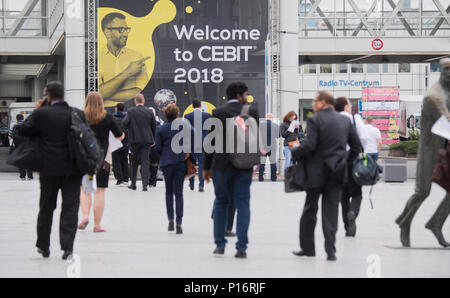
x=101, y=123
x=173, y=166
x=292, y=132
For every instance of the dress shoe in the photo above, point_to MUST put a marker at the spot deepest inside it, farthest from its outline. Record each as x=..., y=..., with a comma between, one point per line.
x=171, y=226
x=67, y=254
x=219, y=251
x=44, y=252
x=404, y=237
x=351, y=229
x=179, y=229
x=118, y=183
x=145, y=189
x=201, y=189
x=331, y=258
x=191, y=187
x=240, y=254
x=301, y=253
x=132, y=187
x=230, y=234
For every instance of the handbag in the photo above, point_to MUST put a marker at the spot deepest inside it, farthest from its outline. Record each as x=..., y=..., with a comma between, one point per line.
x=295, y=178
x=441, y=174
x=27, y=155
x=293, y=144
x=191, y=168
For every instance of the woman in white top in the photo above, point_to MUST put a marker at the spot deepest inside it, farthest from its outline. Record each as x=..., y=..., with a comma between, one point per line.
x=352, y=194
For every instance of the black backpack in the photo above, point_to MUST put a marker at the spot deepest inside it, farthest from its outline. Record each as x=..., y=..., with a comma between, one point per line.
x=84, y=146
x=366, y=170
x=244, y=135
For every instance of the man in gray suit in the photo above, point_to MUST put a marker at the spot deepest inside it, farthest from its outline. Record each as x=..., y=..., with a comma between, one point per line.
x=435, y=104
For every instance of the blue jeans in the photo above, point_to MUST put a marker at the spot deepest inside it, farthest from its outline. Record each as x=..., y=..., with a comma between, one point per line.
x=234, y=184
x=374, y=156
x=288, y=160
x=199, y=157
x=174, y=179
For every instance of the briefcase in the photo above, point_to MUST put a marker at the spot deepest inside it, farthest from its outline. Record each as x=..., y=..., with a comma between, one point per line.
x=441, y=174
x=295, y=178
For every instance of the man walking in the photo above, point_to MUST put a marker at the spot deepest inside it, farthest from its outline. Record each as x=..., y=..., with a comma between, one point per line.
x=374, y=140
x=120, y=156
x=324, y=153
x=197, y=118
x=228, y=178
x=267, y=128
x=16, y=138
x=51, y=124
x=141, y=126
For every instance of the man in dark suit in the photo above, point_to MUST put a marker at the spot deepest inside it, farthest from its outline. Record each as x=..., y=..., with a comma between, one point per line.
x=324, y=153
x=197, y=118
x=120, y=156
x=228, y=178
x=141, y=125
x=51, y=124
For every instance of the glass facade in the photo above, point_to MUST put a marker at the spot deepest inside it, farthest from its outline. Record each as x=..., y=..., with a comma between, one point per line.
x=24, y=17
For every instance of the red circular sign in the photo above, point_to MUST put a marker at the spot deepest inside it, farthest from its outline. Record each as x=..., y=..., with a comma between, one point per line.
x=377, y=44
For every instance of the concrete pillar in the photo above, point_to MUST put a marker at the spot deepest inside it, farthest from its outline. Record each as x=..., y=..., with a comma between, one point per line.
x=38, y=88
x=289, y=52
x=74, y=16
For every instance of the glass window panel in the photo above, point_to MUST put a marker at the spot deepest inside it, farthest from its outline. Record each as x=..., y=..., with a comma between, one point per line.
x=404, y=67
x=342, y=68
x=388, y=68
x=357, y=68
x=325, y=68
x=373, y=68
x=310, y=68
x=434, y=67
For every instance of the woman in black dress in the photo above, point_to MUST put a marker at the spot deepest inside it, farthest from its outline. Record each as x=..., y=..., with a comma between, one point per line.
x=101, y=123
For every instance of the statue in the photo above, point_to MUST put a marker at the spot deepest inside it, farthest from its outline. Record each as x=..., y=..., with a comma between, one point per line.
x=435, y=104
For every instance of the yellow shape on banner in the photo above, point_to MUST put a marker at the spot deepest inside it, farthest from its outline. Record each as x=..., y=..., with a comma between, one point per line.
x=189, y=9
x=250, y=99
x=140, y=42
x=393, y=135
x=394, y=128
x=206, y=107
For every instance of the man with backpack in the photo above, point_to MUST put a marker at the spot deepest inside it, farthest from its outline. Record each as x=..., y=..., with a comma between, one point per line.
x=228, y=175
x=17, y=139
x=51, y=124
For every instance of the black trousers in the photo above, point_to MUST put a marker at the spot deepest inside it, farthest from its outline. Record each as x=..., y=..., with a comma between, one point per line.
x=120, y=165
x=331, y=194
x=140, y=155
x=24, y=173
x=70, y=189
x=154, y=165
x=351, y=198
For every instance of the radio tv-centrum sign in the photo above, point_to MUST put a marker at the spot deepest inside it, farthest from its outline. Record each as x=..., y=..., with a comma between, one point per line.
x=348, y=83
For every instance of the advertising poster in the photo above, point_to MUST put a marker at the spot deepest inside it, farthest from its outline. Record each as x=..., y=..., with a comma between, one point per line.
x=384, y=106
x=174, y=51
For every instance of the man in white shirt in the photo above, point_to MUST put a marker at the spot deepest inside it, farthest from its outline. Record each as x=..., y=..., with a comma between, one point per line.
x=374, y=141
x=352, y=194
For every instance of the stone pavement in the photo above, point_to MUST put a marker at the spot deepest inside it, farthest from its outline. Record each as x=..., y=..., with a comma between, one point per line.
x=137, y=243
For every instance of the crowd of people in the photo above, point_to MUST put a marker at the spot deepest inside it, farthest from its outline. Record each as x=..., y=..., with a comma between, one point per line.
x=333, y=138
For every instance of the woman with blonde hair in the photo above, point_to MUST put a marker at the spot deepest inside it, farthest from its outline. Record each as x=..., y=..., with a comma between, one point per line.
x=101, y=123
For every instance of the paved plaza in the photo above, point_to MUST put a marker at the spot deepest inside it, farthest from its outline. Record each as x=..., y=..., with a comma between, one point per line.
x=137, y=243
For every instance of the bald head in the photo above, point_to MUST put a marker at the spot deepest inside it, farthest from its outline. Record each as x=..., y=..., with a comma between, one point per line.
x=139, y=99
x=445, y=74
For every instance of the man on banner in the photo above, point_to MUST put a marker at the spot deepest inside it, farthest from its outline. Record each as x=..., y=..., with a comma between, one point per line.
x=122, y=71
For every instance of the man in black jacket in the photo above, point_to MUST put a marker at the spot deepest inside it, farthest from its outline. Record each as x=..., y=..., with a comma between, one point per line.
x=51, y=124
x=141, y=125
x=120, y=156
x=325, y=156
x=13, y=134
x=226, y=177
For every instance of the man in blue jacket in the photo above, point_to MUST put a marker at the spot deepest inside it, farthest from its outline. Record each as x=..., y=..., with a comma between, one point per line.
x=197, y=118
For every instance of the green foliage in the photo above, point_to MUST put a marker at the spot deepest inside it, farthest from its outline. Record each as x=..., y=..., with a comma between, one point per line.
x=409, y=147
x=414, y=134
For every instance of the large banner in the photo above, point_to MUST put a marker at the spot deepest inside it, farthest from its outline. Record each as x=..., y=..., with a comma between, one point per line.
x=174, y=51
